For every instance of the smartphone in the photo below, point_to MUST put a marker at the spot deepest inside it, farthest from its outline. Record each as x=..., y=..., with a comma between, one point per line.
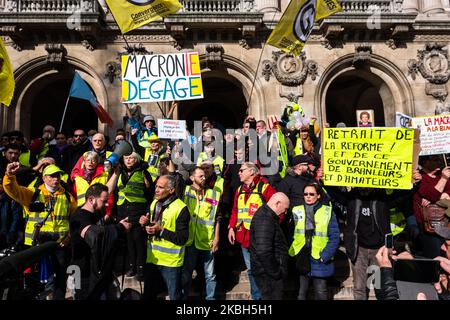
x=389, y=240
x=416, y=270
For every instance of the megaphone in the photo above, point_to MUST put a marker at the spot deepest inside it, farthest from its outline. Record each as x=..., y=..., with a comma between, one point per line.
x=122, y=148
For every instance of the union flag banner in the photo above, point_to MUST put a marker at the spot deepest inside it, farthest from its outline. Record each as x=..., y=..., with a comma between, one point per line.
x=131, y=14
x=7, y=83
x=297, y=23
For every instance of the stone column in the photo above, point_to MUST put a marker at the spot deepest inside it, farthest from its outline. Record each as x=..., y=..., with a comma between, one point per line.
x=446, y=4
x=432, y=6
x=411, y=6
x=267, y=5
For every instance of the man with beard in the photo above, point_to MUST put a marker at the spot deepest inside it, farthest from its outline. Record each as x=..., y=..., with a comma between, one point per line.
x=93, y=244
x=203, y=242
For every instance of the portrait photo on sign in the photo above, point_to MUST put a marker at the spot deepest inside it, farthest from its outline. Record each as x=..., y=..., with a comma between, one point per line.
x=365, y=117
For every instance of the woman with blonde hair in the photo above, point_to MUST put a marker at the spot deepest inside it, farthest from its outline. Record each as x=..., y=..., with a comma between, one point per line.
x=91, y=172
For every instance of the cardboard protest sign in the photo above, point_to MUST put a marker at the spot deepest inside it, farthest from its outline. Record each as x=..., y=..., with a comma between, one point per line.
x=368, y=157
x=161, y=77
x=172, y=129
x=434, y=134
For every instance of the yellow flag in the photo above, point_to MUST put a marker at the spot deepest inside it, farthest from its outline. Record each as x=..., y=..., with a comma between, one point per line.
x=131, y=14
x=6, y=77
x=297, y=22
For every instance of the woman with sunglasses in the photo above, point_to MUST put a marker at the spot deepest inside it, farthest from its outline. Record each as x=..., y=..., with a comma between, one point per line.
x=316, y=239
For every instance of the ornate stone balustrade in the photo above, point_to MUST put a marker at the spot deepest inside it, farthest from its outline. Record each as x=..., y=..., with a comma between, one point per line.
x=220, y=6
x=48, y=6
x=367, y=6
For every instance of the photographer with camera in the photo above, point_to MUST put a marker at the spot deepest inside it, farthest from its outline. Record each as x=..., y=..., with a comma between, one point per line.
x=50, y=206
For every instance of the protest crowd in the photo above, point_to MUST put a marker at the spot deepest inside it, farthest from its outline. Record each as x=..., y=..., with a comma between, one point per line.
x=277, y=197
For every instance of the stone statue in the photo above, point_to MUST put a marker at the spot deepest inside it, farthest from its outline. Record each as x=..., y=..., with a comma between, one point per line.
x=435, y=64
x=289, y=65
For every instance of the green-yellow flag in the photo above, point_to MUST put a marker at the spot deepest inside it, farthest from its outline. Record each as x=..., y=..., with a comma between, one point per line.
x=6, y=77
x=131, y=14
x=297, y=22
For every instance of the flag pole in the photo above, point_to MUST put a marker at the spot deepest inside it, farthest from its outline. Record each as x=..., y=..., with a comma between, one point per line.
x=64, y=114
x=257, y=67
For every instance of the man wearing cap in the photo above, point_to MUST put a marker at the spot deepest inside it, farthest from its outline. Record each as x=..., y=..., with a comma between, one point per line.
x=297, y=177
x=147, y=132
x=56, y=227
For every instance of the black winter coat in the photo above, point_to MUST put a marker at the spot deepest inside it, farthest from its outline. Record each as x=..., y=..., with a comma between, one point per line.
x=268, y=246
x=380, y=204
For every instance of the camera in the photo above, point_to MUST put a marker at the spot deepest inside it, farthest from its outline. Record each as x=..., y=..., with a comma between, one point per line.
x=36, y=206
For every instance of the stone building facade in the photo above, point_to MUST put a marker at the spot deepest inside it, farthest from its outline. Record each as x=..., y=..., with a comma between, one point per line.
x=385, y=55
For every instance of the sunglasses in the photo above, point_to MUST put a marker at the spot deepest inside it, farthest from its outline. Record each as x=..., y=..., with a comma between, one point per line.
x=306, y=194
x=78, y=135
x=242, y=170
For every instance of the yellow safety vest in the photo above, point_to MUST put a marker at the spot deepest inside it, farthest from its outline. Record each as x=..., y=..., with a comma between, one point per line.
x=143, y=141
x=32, y=186
x=44, y=151
x=246, y=210
x=24, y=158
x=203, y=217
x=217, y=161
x=320, y=237
x=160, y=251
x=154, y=168
x=298, y=149
x=218, y=185
x=82, y=186
x=396, y=218
x=133, y=191
x=57, y=224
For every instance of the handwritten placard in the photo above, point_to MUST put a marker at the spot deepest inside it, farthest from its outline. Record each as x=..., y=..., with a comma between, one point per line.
x=368, y=157
x=434, y=134
x=172, y=129
x=161, y=77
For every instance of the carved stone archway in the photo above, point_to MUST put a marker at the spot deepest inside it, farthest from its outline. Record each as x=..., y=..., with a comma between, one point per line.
x=37, y=73
x=240, y=73
x=393, y=85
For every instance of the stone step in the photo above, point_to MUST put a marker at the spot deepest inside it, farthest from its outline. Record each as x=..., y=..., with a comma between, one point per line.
x=340, y=287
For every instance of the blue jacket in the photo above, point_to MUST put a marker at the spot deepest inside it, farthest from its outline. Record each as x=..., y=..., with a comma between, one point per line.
x=326, y=268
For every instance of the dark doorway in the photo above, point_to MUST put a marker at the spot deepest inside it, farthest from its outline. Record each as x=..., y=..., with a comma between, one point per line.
x=224, y=104
x=48, y=107
x=347, y=94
